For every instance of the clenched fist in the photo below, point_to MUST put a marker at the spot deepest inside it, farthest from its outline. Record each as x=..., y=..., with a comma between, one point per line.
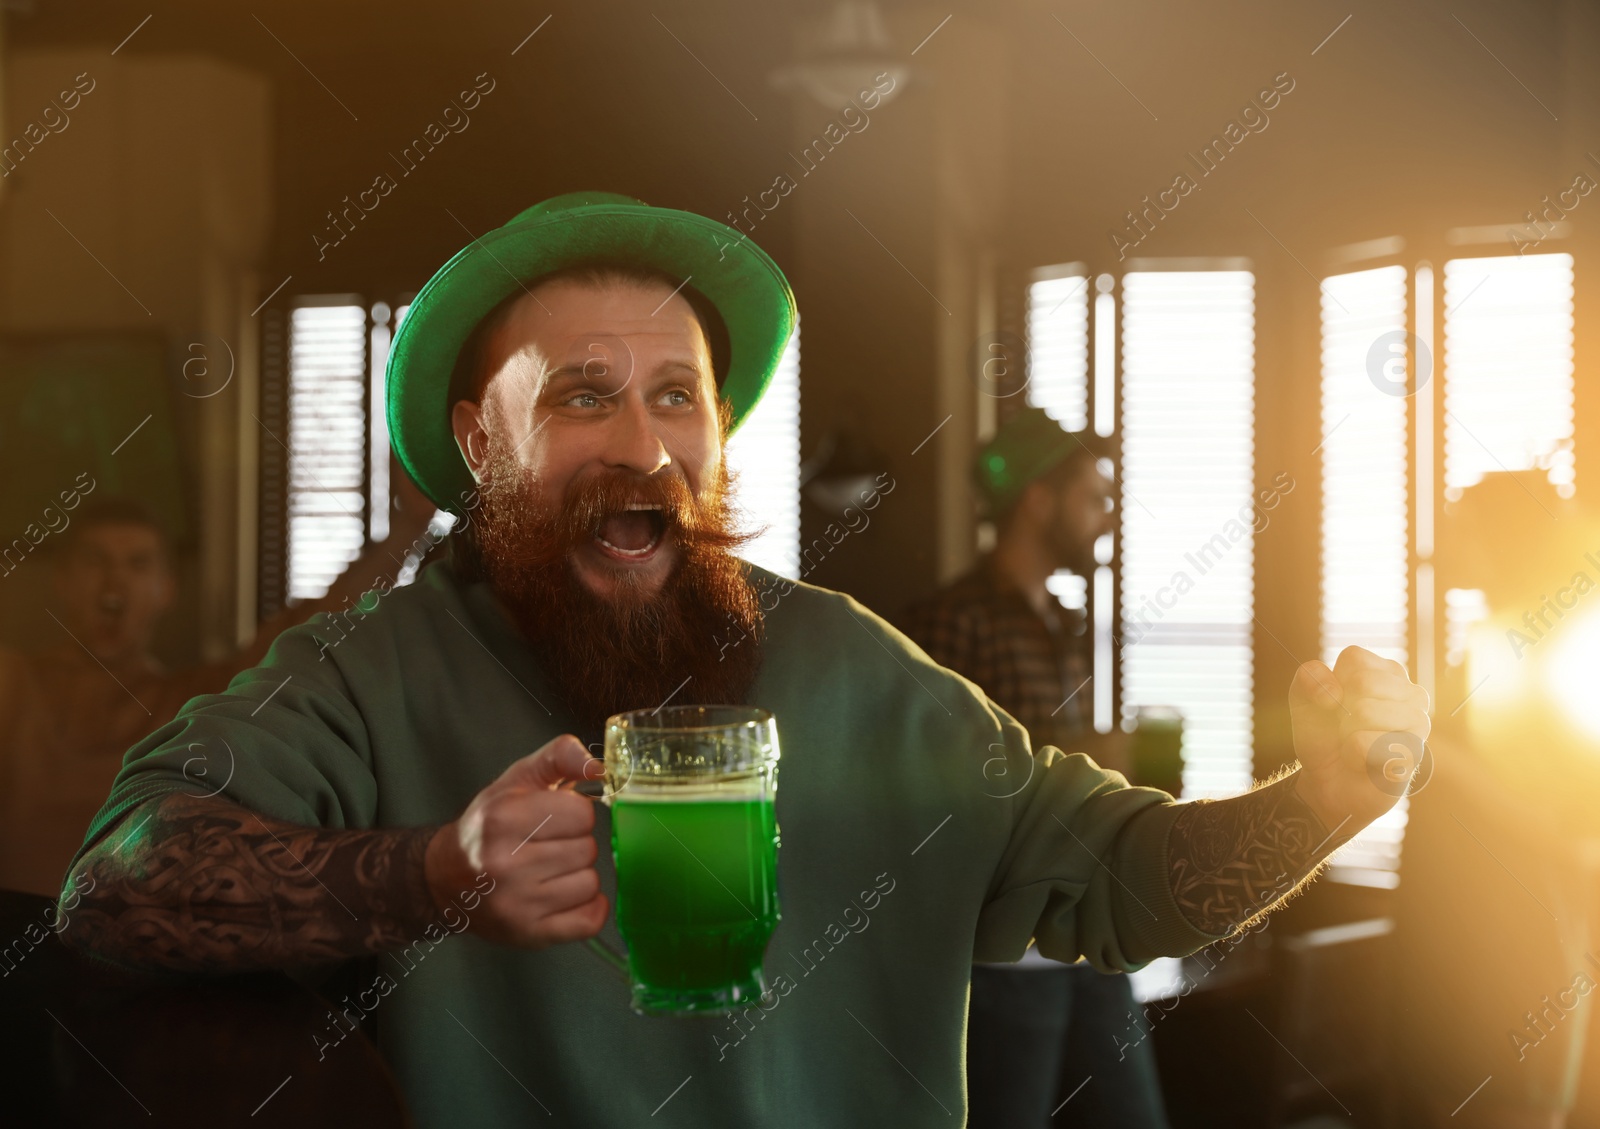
x=1366, y=711
x=532, y=834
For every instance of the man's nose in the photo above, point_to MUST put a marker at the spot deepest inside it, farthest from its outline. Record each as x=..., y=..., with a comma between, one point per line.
x=116, y=582
x=636, y=441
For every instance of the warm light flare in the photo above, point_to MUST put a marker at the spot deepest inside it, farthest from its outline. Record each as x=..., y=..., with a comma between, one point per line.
x=1572, y=670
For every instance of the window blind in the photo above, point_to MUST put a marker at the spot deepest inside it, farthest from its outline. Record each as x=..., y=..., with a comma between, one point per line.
x=1058, y=344
x=1058, y=383
x=327, y=440
x=1509, y=372
x=764, y=455
x=378, y=485
x=1365, y=495
x=1188, y=432
x=1364, y=466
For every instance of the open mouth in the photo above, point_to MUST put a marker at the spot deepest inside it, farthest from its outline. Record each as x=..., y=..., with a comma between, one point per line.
x=632, y=534
x=110, y=606
x=108, y=619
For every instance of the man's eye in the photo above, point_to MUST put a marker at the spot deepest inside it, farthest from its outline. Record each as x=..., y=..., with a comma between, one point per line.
x=677, y=398
x=584, y=400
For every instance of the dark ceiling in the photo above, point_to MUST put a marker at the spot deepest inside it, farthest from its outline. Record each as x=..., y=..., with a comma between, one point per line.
x=1408, y=115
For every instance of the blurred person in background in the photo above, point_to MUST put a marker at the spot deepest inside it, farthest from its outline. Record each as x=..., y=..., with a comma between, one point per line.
x=1000, y=626
x=69, y=711
x=1498, y=874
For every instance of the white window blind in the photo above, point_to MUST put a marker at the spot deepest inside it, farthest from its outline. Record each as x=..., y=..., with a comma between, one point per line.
x=1508, y=365
x=1058, y=383
x=1105, y=424
x=1365, y=493
x=1058, y=344
x=1188, y=433
x=1364, y=466
x=1105, y=356
x=764, y=455
x=378, y=421
x=328, y=398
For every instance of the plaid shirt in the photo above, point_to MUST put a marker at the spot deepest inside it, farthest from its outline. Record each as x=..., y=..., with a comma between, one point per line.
x=1033, y=667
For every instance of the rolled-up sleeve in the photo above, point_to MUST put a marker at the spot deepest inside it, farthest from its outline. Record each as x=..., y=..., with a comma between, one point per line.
x=1084, y=873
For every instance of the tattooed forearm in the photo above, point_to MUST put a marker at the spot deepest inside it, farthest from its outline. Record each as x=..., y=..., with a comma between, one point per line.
x=201, y=884
x=1232, y=860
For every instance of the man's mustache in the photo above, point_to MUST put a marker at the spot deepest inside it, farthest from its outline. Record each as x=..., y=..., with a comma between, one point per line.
x=635, y=645
x=588, y=501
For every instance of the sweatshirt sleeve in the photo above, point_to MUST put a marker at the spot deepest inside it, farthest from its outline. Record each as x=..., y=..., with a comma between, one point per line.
x=284, y=739
x=1084, y=872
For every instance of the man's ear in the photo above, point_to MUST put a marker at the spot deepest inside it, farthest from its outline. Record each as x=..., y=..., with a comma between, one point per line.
x=466, y=420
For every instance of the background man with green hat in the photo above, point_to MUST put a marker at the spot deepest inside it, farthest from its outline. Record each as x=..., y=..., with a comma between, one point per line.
x=406, y=801
x=1038, y=1028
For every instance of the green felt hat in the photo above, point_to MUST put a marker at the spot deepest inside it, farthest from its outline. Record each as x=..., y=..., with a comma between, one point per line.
x=733, y=274
x=1025, y=448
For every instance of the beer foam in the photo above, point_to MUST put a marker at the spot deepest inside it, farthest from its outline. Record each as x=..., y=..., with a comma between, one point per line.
x=683, y=790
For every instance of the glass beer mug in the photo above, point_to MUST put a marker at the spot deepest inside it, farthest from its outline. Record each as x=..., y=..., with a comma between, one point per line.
x=695, y=841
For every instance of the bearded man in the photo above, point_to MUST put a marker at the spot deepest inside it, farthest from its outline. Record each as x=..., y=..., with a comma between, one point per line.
x=566, y=385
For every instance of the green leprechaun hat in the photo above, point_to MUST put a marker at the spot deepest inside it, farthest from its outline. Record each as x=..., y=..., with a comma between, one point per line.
x=735, y=276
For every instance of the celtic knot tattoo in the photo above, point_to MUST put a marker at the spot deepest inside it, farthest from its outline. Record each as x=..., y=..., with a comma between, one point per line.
x=198, y=884
x=1231, y=861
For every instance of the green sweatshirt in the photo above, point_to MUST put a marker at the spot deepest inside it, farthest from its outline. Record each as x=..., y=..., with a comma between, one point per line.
x=919, y=833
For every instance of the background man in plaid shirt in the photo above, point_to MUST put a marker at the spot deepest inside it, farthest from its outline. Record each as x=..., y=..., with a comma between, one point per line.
x=999, y=626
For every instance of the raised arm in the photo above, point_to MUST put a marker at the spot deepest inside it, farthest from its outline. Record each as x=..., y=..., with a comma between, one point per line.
x=1232, y=860
x=1358, y=733
x=199, y=884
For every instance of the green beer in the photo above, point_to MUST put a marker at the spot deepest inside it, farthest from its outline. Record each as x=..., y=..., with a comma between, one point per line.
x=695, y=839
x=1157, y=749
x=697, y=894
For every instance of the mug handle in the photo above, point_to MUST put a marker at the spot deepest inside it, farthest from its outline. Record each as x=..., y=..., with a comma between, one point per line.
x=618, y=963
x=610, y=957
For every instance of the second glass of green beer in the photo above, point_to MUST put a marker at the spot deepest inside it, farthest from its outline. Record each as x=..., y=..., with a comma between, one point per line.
x=695, y=841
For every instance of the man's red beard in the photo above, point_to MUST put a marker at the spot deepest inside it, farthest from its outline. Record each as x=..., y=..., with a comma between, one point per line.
x=633, y=649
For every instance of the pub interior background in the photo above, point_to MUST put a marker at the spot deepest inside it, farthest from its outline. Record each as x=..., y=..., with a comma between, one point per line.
x=1245, y=241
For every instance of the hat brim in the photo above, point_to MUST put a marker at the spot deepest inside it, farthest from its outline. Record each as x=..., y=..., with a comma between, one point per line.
x=734, y=275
